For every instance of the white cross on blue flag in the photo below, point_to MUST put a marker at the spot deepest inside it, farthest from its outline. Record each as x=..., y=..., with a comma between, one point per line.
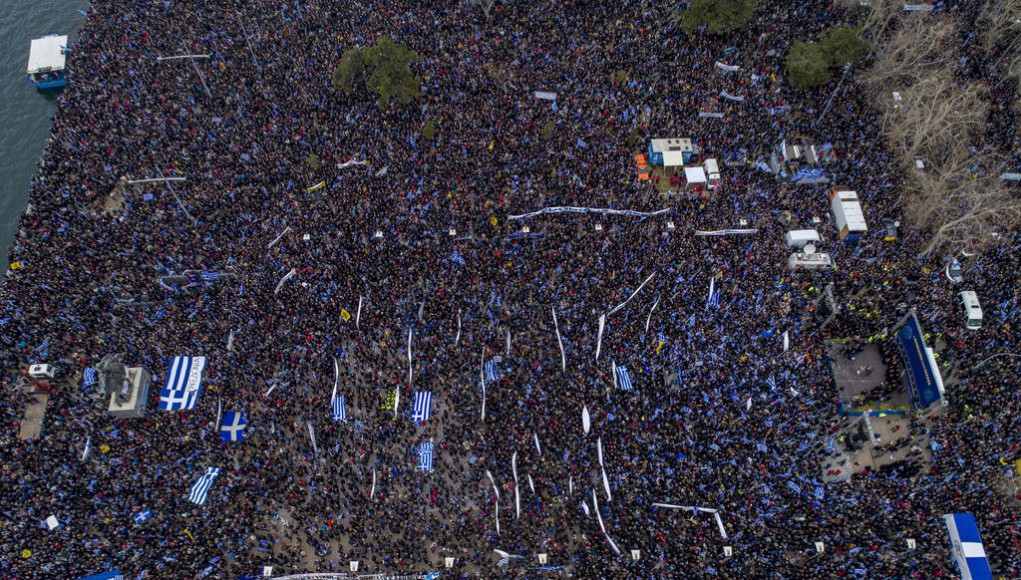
x=233, y=428
x=142, y=516
x=423, y=402
x=425, y=456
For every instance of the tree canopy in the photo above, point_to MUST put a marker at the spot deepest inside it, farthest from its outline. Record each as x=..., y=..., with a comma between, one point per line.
x=807, y=65
x=387, y=66
x=844, y=46
x=718, y=16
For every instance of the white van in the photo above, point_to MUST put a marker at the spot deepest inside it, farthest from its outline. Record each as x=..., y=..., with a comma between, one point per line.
x=800, y=238
x=799, y=261
x=972, y=310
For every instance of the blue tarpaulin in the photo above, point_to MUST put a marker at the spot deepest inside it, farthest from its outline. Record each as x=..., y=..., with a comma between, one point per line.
x=111, y=575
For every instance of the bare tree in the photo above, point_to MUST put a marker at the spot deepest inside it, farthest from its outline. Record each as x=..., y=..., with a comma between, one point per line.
x=999, y=22
x=935, y=116
x=1000, y=37
x=917, y=49
x=486, y=5
x=962, y=205
x=959, y=199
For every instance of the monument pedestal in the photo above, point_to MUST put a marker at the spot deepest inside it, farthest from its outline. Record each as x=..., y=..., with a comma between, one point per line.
x=138, y=395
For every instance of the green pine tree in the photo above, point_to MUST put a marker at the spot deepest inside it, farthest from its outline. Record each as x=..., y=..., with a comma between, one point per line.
x=807, y=65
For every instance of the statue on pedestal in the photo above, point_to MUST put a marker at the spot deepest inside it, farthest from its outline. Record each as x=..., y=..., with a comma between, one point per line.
x=113, y=377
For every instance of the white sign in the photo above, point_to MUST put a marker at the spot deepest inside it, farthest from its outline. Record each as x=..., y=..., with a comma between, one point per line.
x=52, y=523
x=728, y=551
x=820, y=547
x=354, y=565
x=636, y=554
x=267, y=571
x=449, y=562
x=544, y=96
x=542, y=559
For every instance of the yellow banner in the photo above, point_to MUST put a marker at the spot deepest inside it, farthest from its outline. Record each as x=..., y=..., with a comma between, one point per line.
x=315, y=187
x=344, y=314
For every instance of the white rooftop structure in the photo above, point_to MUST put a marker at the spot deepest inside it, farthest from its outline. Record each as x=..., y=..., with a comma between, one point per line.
x=47, y=54
x=694, y=175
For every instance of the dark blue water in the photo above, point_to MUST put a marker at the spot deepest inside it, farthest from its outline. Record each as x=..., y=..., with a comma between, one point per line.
x=25, y=114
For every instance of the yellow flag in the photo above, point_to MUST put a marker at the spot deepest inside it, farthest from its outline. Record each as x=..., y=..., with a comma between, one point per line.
x=104, y=448
x=26, y=554
x=492, y=144
x=188, y=533
x=345, y=315
x=16, y=265
x=659, y=346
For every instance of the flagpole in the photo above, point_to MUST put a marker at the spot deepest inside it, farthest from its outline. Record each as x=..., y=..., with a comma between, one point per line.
x=556, y=326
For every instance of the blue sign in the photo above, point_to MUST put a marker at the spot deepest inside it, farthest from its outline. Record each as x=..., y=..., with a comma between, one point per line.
x=921, y=374
x=111, y=575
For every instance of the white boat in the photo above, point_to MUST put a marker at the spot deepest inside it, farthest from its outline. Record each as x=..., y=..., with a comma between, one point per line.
x=46, y=62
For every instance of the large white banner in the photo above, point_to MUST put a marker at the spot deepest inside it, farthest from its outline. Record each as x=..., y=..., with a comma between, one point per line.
x=626, y=212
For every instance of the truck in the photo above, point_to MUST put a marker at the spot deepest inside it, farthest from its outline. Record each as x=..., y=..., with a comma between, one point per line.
x=850, y=220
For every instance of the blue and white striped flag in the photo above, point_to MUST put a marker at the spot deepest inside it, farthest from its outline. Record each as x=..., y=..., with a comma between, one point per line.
x=771, y=383
x=339, y=411
x=89, y=380
x=200, y=490
x=624, y=379
x=423, y=402
x=142, y=516
x=425, y=456
x=691, y=321
x=714, y=295
x=456, y=258
x=210, y=276
x=184, y=379
x=493, y=372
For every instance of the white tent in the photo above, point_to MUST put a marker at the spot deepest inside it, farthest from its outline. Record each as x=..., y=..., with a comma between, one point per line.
x=694, y=175
x=47, y=54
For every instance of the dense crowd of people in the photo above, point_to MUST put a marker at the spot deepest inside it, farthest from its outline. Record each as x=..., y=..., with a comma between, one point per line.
x=721, y=415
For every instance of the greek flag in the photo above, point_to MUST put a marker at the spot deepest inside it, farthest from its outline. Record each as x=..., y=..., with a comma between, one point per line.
x=691, y=321
x=456, y=258
x=142, y=516
x=425, y=456
x=184, y=379
x=423, y=400
x=200, y=490
x=339, y=412
x=771, y=383
x=808, y=174
x=233, y=428
x=493, y=373
x=210, y=276
x=89, y=379
x=624, y=378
